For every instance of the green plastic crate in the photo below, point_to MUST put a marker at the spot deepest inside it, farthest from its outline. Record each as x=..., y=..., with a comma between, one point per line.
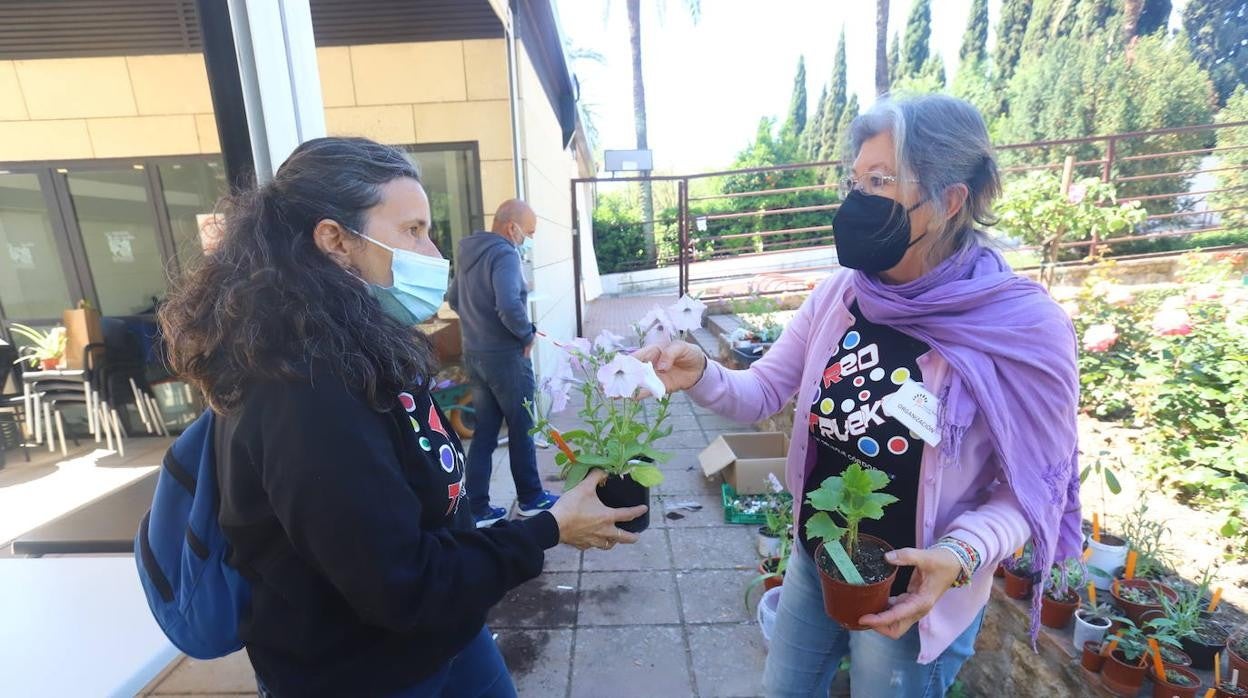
x=733, y=513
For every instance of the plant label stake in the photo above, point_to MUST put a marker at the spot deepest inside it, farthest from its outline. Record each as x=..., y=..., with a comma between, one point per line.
x=840, y=558
x=1234, y=677
x=1217, y=669
x=1113, y=644
x=563, y=445
x=1132, y=558
x=1019, y=553
x=1156, y=652
x=1096, y=527
x=1092, y=594
x=1217, y=597
x=1209, y=693
x=1087, y=554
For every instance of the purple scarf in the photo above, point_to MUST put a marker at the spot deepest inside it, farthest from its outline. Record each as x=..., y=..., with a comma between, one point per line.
x=1013, y=355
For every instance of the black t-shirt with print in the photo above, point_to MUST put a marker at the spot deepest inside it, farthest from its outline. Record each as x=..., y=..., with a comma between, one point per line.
x=847, y=423
x=353, y=526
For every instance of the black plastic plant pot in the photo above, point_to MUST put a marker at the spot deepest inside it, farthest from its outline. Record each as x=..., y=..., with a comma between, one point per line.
x=1211, y=640
x=623, y=492
x=749, y=354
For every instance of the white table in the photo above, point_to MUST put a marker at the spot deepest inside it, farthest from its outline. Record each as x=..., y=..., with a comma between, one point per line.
x=77, y=626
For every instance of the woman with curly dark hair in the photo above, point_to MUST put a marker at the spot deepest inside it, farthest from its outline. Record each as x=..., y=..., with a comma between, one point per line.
x=342, y=492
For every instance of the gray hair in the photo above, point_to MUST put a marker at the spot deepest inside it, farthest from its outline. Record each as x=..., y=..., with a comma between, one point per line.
x=940, y=141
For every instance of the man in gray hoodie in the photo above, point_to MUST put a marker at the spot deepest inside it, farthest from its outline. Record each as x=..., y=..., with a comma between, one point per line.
x=490, y=294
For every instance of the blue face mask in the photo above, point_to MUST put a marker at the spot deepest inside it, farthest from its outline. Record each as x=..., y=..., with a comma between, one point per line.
x=526, y=242
x=420, y=283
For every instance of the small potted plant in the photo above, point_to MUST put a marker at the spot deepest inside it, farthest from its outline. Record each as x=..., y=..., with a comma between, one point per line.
x=1124, y=669
x=1092, y=659
x=856, y=578
x=1177, y=682
x=1237, y=653
x=1148, y=538
x=1060, y=598
x=1019, y=575
x=1205, y=640
x=46, y=349
x=1141, y=599
x=1173, y=656
x=620, y=434
x=1092, y=621
x=1109, y=553
x=1230, y=686
x=779, y=523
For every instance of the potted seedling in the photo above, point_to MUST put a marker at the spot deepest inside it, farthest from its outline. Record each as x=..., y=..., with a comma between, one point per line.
x=1109, y=553
x=1148, y=538
x=1092, y=620
x=620, y=434
x=1092, y=659
x=1204, y=642
x=1060, y=598
x=771, y=570
x=1141, y=599
x=46, y=349
x=1232, y=687
x=1124, y=669
x=856, y=578
x=1175, y=682
x=1237, y=652
x=779, y=520
x=1020, y=576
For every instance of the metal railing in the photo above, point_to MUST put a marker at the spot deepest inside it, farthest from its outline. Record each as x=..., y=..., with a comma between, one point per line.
x=718, y=223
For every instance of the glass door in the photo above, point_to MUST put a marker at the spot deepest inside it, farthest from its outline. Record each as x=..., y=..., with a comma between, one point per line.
x=120, y=236
x=34, y=284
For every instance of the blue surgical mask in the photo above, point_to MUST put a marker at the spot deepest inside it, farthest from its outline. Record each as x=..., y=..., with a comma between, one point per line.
x=526, y=241
x=420, y=283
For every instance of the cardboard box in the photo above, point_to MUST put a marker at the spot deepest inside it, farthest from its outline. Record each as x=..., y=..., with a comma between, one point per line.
x=82, y=327
x=746, y=459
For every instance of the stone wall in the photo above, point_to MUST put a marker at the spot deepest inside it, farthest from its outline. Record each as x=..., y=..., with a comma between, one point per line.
x=1005, y=665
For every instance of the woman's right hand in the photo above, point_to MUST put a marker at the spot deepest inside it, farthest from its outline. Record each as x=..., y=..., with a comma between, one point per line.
x=585, y=522
x=679, y=364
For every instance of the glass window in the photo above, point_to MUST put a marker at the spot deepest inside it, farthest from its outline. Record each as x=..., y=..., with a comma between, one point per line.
x=32, y=278
x=450, y=179
x=191, y=190
x=118, y=225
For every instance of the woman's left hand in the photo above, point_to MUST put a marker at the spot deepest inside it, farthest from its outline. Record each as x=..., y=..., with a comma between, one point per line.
x=935, y=570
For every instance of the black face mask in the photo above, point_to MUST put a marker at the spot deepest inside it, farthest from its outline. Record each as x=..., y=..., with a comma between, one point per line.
x=872, y=233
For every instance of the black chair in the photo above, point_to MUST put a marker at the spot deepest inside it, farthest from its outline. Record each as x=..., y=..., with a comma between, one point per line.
x=12, y=406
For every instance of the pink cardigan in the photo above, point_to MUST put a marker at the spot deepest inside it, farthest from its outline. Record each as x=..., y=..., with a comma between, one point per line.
x=969, y=501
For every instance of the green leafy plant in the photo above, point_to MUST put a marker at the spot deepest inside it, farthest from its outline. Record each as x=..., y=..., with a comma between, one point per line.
x=1034, y=209
x=620, y=432
x=1148, y=538
x=1105, y=476
x=852, y=496
x=1133, y=642
x=1021, y=565
x=1065, y=578
x=44, y=346
x=1177, y=679
x=758, y=317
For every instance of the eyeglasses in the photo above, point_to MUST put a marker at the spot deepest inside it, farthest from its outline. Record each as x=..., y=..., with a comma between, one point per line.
x=871, y=184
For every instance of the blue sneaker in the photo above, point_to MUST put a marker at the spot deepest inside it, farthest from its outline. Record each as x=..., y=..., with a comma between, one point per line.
x=537, y=506
x=491, y=516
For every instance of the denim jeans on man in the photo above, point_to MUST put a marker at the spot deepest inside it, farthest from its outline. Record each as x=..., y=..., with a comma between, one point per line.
x=478, y=671
x=501, y=383
x=807, y=647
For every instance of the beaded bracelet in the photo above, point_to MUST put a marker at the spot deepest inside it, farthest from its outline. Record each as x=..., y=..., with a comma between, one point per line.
x=967, y=556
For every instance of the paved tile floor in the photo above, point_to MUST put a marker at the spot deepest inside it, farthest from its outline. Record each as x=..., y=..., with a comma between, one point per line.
x=664, y=617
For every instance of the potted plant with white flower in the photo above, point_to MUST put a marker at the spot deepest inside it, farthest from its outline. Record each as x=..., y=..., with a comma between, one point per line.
x=618, y=433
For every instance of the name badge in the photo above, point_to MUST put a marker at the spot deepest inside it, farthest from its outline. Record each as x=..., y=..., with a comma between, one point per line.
x=916, y=409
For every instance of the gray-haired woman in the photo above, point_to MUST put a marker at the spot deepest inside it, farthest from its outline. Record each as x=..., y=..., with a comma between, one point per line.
x=926, y=308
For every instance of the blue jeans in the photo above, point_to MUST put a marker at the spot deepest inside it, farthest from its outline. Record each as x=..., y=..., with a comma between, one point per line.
x=807, y=647
x=478, y=671
x=501, y=383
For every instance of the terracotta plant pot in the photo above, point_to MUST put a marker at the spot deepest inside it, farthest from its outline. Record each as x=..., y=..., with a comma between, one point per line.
x=1238, y=661
x=1017, y=586
x=1057, y=614
x=1122, y=677
x=1109, y=554
x=1141, y=613
x=768, y=566
x=1000, y=571
x=49, y=364
x=1092, y=659
x=846, y=603
x=1166, y=689
x=1089, y=630
x=623, y=492
x=1230, y=690
x=1202, y=649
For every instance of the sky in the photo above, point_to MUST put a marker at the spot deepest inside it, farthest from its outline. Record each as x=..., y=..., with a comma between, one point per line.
x=707, y=85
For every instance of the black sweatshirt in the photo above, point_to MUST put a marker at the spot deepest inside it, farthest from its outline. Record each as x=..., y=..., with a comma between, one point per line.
x=353, y=525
